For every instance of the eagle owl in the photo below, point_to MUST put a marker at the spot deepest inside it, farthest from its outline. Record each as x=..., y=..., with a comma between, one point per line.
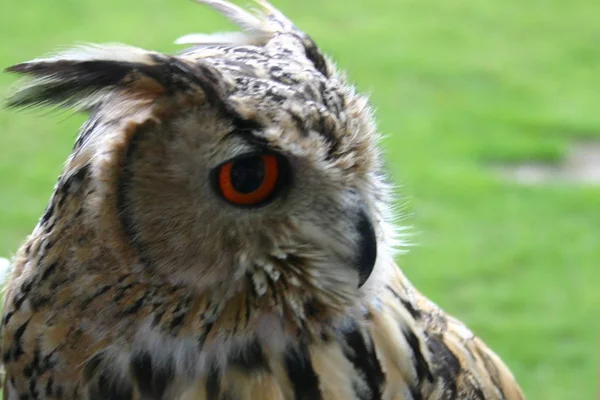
x=221, y=231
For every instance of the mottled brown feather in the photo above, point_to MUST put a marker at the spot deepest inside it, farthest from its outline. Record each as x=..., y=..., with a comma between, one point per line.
x=140, y=283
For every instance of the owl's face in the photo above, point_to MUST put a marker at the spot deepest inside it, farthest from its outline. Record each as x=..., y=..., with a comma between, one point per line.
x=209, y=197
x=243, y=163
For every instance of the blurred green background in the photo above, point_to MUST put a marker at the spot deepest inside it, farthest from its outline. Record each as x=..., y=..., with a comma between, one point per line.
x=458, y=85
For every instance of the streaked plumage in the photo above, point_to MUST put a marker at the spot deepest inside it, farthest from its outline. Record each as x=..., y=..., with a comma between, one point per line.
x=140, y=282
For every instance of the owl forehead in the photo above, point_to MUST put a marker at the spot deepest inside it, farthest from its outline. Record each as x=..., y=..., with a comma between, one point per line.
x=281, y=88
x=261, y=75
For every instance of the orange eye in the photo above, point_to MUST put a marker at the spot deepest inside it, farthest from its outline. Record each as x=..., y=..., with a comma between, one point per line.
x=249, y=180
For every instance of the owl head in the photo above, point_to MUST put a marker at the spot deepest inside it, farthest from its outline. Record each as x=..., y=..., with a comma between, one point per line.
x=246, y=162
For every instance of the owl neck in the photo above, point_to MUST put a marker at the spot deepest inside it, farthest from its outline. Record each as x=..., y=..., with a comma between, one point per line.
x=281, y=302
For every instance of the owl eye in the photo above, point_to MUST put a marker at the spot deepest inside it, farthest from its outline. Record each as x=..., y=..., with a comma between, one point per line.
x=251, y=180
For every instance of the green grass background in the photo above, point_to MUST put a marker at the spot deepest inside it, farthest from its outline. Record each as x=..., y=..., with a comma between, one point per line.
x=457, y=84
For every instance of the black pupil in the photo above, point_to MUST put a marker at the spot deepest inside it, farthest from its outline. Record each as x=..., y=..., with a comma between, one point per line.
x=248, y=174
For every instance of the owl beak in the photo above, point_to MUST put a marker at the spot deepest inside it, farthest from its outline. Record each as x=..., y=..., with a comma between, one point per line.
x=367, y=248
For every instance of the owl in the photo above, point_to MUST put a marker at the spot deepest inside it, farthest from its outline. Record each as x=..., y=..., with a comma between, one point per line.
x=222, y=230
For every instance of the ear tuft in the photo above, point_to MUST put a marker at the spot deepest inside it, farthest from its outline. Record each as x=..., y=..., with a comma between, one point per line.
x=86, y=76
x=18, y=68
x=260, y=27
x=80, y=84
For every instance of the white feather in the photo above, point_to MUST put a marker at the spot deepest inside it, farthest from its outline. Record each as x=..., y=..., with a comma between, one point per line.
x=221, y=38
x=258, y=27
x=4, y=269
x=237, y=15
x=95, y=52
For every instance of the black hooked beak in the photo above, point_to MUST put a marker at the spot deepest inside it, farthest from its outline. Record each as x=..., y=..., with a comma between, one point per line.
x=367, y=248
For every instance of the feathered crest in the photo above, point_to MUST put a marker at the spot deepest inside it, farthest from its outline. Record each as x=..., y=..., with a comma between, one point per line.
x=80, y=77
x=258, y=27
x=89, y=75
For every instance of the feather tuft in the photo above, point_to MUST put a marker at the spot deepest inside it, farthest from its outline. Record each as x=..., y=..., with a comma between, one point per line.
x=236, y=14
x=258, y=27
x=221, y=38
